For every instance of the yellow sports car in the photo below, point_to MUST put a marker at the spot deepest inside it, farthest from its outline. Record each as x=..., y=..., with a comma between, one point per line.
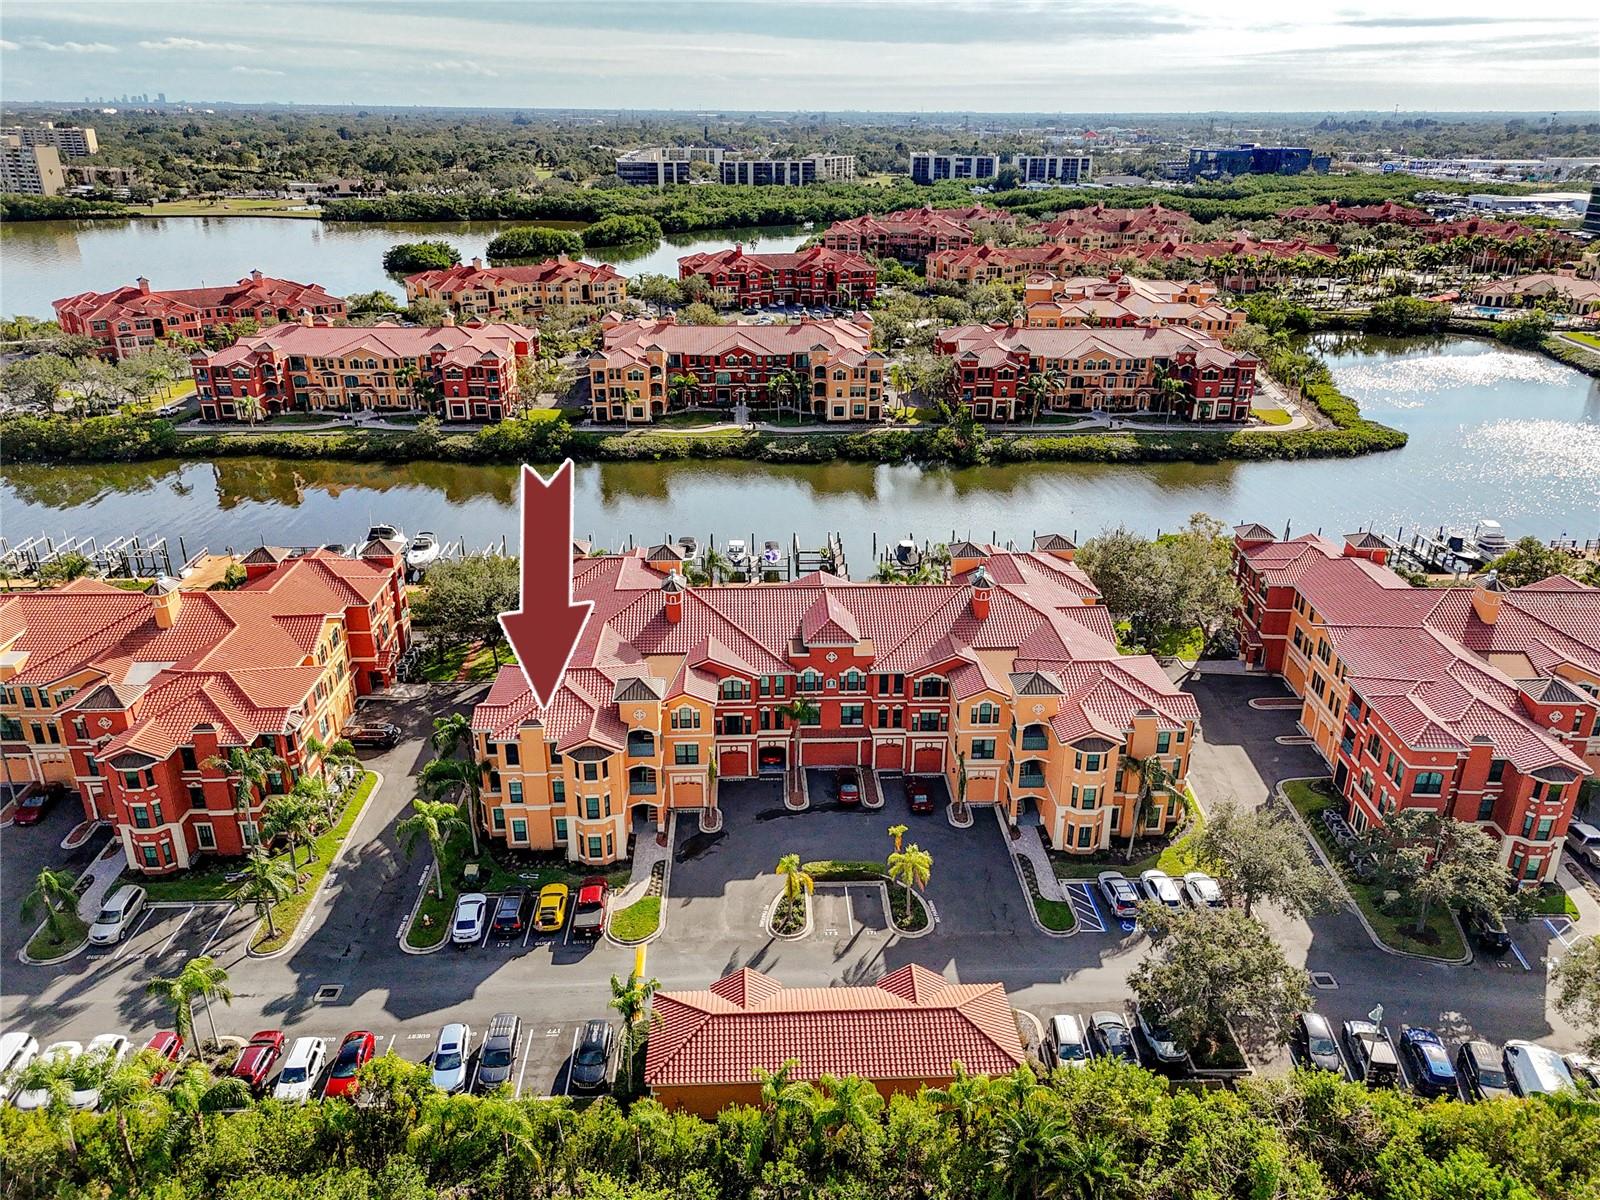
x=551, y=914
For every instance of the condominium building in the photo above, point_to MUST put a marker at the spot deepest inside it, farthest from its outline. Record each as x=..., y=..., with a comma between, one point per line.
x=817, y=276
x=133, y=318
x=458, y=372
x=1118, y=300
x=1116, y=370
x=71, y=141
x=912, y=234
x=1477, y=702
x=1052, y=168
x=519, y=293
x=657, y=166
x=645, y=368
x=131, y=699
x=1097, y=227
x=789, y=172
x=1006, y=681
x=30, y=170
x=928, y=167
x=988, y=263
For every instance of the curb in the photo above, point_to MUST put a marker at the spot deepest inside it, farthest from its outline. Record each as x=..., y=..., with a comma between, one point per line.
x=771, y=911
x=1027, y=896
x=1344, y=890
x=22, y=954
x=416, y=906
x=888, y=908
x=950, y=815
x=666, y=891
x=300, y=929
x=80, y=834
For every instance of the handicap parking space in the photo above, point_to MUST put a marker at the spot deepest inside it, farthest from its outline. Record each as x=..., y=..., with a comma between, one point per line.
x=1085, y=906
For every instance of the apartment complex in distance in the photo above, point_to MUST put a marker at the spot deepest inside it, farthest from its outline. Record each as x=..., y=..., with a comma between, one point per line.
x=1119, y=300
x=1008, y=677
x=911, y=234
x=30, y=170
x=1097, y=227
x=458, y=372
x=132, y=318
x=519, y=293
x=645, y=368
x=70, y=141
x=1387, y=213
x=127, y=698
x=658, y=166
x=789, y=172
x=1146, y=367
x=818, y=276
x=1478, y=702
x=929, y=167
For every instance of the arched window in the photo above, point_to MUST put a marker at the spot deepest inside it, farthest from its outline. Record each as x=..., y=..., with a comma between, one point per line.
x=810, y=680
x=1036, y=737
x=986, y=713
x=641, y=743
x=686, y=717
x=852, y=681
x=735, y=689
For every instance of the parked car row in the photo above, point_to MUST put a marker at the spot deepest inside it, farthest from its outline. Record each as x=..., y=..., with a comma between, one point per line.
x=546, y=910
x=1196, y=889
x=88, y=1066
x=1075, y=1041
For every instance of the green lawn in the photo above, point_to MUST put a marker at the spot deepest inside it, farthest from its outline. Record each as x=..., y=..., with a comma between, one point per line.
x=639, y=920
x=1591, y=340
x=1552, y=901
x=287, y=913
x=1271, y=416
x=692, y=419
x=478, y=660
x=73, y=933
x=1441, y=939
x=1172, y=856
x=1055, y=915
x=230, y=207
x=1187, y=644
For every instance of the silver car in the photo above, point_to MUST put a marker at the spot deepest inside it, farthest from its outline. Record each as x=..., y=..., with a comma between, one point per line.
x=1201, y=890
x=450, y=1056
x=1159, y=889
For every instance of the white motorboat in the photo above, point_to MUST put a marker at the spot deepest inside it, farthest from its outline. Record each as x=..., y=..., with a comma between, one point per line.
x=771, y=555
x=423, y=551
x=384, y=533
x=738, y=554
x=1491, y=539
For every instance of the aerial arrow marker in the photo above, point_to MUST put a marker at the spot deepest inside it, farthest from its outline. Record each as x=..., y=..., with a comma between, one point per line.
x=544, y=632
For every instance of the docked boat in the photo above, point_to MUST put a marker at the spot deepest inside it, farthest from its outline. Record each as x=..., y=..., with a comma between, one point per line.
x=690, y=547
x=1491, y=539
x=771, y=556
x=423, y=552
x=906, y=555
x=738, y=554
x=384, y=533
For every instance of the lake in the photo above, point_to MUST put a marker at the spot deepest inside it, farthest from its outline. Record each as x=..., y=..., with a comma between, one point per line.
x=47, y=260
x=1495, y=433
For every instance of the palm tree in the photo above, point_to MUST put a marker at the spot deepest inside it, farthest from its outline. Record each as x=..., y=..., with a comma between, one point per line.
x=681, y=389
x=123, y=1091
x=314, y=792
x=249, y=408
x=55, y=892
x=631, y=999
x=897, y=832
x=802, y=710
x=251, y=771
x=1028, y=1142
x=54, y=1077
x=1037, y=388
x=795, y=880
x=849, y=1106
x=786, y=1097
x=266, y=882
x=912, y=867
x=450, y=733
x=965, y=1097
x=443, y=775
x=1092, y=1168
x=200, y=979
x=435, y=822
x=887, y=572
x=292, y=818
x=210, y=982
x=1153, y=777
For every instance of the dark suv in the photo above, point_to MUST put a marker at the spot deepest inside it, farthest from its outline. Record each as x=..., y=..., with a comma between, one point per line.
x=1482, y=1071
x=1488, y=930
x=508, y=914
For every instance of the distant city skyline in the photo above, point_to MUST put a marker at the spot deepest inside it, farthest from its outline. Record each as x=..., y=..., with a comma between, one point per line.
x=885, y=55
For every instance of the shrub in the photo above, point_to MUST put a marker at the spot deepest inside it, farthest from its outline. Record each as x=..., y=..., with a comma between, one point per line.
x=614, y=231
x=405, y=258
x=1404, y=314
x=1528, y=330
x=534, y=241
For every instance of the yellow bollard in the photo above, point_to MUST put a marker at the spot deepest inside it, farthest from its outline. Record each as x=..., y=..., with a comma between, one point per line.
x=638, y=962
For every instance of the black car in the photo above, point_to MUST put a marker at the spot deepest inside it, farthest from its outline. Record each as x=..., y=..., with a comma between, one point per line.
x=1488, y=930
x=378, y=735
x=1431, y=1072
x=508, y=914
x=1481, y=1069
x=1113, y=1037
x=1313, y=1039
x=593, y=1056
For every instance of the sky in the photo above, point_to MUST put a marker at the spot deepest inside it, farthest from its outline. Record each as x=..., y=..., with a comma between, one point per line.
x=900, y=55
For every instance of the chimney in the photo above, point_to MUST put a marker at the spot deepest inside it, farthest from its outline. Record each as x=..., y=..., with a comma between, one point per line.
x=256, y=274
x=672, y=597
x=144, y=286
x=477, y=264
x=168, y=601
x=305, y=317
x=449, y=317
x=982, y=592
x=1486, y=594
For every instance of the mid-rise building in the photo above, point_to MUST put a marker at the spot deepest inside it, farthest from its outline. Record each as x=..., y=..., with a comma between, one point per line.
x=131, y=699
x=988, y=263
x=133, y=318
x=1006, y=682
x=1097, y=227
x=658, y=166
x=520, y=293
x=1115, y=370
x=1052, y=168
x=1118, y=300
x=1591, y=214
x=646, y=368
x=788, y=172
x=71, y=141
x=817, y=276
x=912, y=234
x=457, y=372
x=30, y=170
x=929, y=167
x=1476, y=702
x=1249, y=158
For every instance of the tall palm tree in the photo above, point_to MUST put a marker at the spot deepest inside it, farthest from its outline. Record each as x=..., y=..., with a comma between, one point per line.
x=209, y=982
x=848, y=1107
x=443, y=776
x=795, y=880
x=631, y=998
x=1038, y=388
x=1027, y=1145
x=450, y=733
x=802, y=710
x=716, y=564
x=249, y=408
x=265, y=882
x=911, y=867
x=292, y=818
x=887, y=572
x=55, y=892
x=1153, y=777
x=176, y=991
x=787, y=1099
x=435, y=822
x=251, y=771
x=897, y=832
x=314, y=792
x=199, y=979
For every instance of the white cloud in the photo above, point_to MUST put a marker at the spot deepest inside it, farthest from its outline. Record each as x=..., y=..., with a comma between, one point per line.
x=461, y=66
x=70, y=47
x=5, y=45
x=185, y=43
x=255, y=71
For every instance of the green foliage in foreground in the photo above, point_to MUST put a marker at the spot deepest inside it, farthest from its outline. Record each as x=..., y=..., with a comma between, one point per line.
x=1109, y=1131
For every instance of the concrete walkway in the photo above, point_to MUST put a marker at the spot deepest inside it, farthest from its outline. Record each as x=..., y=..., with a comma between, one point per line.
x=102, y=875
x=647, y=852
x=1030, y=845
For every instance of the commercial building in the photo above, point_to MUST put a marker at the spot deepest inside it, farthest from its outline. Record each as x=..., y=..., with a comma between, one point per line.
x=130, y=698
x=1563, y=292
x=657, y=166
x=70, y=141
x=1116, y=370
x=1097, y=227
x=1591, y=214
x=1053, y=168
x=912, y=234
x=903, y=1033
x=1478, y=702
x=1249, y=158
x=1559, y=205
x=134, y=318
x=818, y=276
x=1118, y=300
x=645, y=368
x=928, y=167
x=30, y=170
x=458, y=372
x=789, y=172
x=1006, y=681
x=520, y=293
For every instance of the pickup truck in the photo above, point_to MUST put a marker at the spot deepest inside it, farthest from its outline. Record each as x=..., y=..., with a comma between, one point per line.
x=589, y=914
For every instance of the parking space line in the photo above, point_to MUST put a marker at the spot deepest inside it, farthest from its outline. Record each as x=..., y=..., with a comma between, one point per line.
x=227, y=914
x=566, y=1086
x=488, y=921
x=1560, y=931
x=177, y=929
x=127, y=942
x=1517, y=950
x=390, y=1046
x=849, y=915
x=527, y=932
x=527, y=1043
x=1085, y=907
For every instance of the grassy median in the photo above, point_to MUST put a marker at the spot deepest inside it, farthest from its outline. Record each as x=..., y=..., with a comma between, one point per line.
x=45, y=945
x=287, y=913
x=638, y=921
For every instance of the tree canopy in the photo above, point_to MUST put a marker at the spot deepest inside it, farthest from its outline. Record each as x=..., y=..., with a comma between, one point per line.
x=434, y=254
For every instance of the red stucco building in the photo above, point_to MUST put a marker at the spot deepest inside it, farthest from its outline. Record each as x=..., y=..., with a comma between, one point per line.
x=818, y=276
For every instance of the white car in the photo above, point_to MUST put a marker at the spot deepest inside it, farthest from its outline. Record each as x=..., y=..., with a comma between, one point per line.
x=17, y=1050
x=55, y=1052
x=472, y=913
x=1071, y=1044
x=300, y=1070
x=1201, y=890
x=450, y=1056
x=1159, y=889
x=108, y=1049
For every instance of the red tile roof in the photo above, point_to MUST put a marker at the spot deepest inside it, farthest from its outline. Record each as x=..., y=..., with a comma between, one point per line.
x=847, y=339
x=464, y=345
x=467, y=277
x=911, y=1024
x=816, y=258
x=249, y=293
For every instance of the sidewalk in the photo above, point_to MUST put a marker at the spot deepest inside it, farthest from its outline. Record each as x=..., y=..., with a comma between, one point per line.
x=1029, y=845
x=102, y=875
x=647, y=852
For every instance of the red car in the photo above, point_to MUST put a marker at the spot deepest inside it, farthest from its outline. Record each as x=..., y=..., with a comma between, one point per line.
x=919, y=795
x=849, y=789
x=258, y=1058
x=168, y=1047
x=356, y=1049
x=35, y=802
x=589, y=914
